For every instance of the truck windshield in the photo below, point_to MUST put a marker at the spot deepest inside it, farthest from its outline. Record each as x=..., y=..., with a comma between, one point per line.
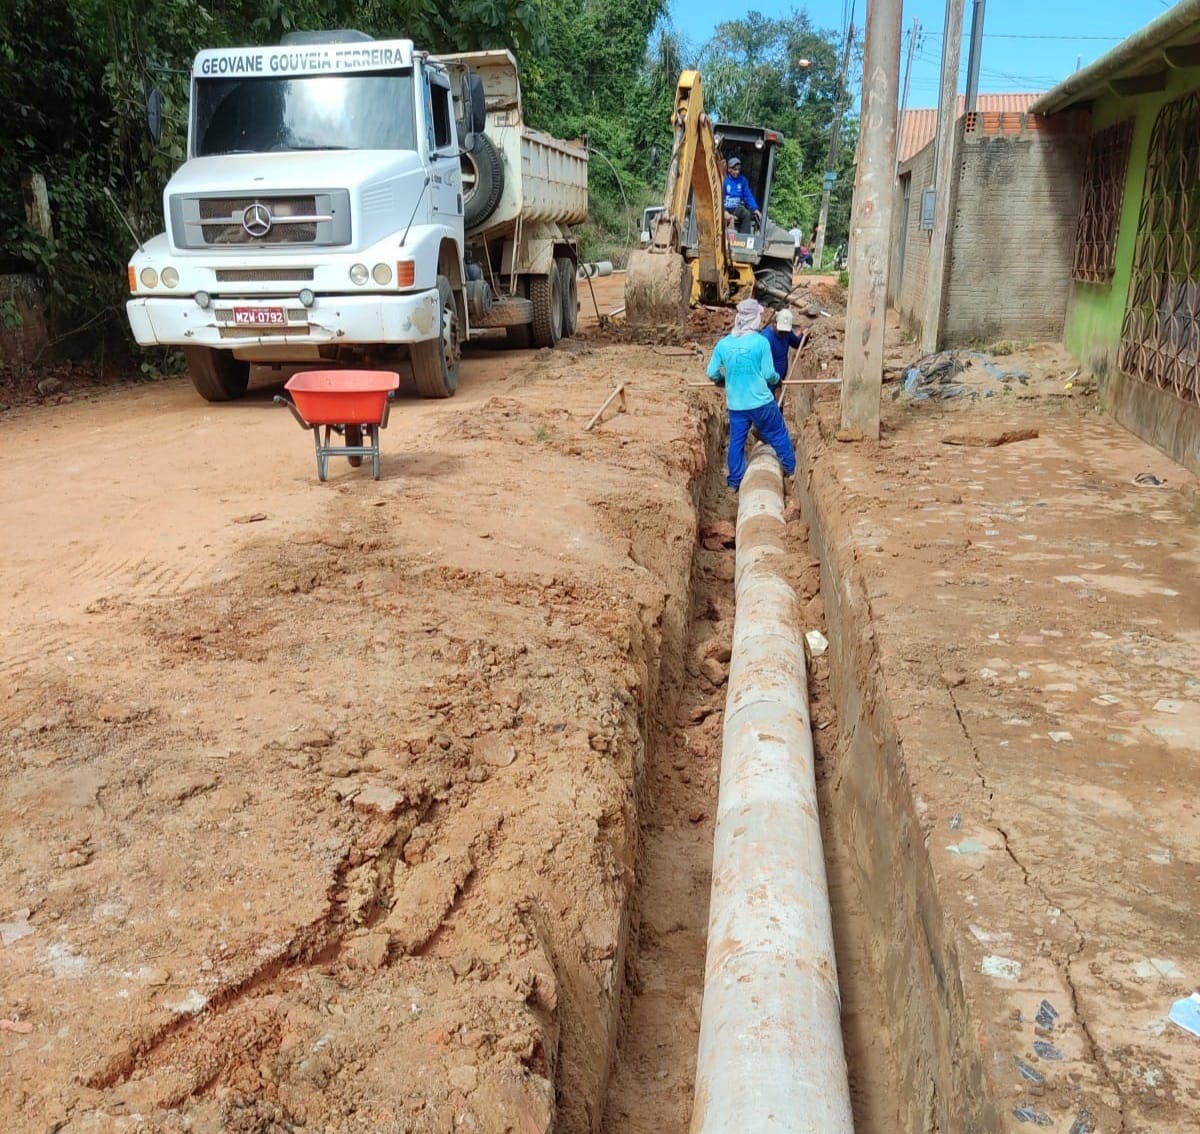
x=371, y=111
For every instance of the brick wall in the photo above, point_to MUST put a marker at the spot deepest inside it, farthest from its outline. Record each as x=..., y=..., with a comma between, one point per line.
x=1014, y=236
x=1013, y=215
x=910, y=262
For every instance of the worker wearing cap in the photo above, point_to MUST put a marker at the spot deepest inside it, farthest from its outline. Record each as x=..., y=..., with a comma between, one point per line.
x=739, y=199
x=742, y=360
x=782, y=340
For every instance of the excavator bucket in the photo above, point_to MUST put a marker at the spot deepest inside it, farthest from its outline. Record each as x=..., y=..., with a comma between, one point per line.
x=657, y=288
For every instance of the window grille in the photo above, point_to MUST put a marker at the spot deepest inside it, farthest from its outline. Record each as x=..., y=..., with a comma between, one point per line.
x=1103, y=195
x=1160, y=336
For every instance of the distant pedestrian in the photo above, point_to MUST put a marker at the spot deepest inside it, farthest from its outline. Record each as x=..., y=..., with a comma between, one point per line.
x=742, y=360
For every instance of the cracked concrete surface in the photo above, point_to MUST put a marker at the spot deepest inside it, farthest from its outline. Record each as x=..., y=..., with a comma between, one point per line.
x=1036, y=633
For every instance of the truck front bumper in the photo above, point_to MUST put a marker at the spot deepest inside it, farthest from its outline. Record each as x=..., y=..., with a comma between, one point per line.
x=236, y=324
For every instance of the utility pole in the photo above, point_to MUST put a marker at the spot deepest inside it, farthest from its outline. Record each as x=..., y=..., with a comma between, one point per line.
x=834, y=136
x=871, y=223
x=943, y=175
x=974, y=56
x=912, y=47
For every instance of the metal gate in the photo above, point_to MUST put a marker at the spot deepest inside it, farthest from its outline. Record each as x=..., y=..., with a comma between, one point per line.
x=1160, y=335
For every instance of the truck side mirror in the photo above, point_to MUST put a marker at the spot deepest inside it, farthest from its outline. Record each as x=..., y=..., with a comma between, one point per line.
x=154, y=102
x=474, y=104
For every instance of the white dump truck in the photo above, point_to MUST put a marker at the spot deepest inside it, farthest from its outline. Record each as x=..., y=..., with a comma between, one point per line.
x=356, y=201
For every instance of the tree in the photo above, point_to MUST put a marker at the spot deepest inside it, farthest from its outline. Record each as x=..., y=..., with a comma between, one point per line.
x=754, y=75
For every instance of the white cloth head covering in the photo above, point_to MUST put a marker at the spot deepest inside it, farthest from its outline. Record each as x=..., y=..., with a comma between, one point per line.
x=749, y=315
x=783, y=320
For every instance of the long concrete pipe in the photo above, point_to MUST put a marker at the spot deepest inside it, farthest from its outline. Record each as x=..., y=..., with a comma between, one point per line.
x=771, y=1057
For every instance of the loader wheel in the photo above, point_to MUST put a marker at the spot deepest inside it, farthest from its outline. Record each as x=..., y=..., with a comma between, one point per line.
x=435, y=361
x=568, y=285
x=482, y=180
x=216, y=374
x=773, y=286
x=545, y=293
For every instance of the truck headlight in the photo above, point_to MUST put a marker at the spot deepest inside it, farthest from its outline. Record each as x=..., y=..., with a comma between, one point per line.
x=149, y=277
x=381, y=274
x=170, y=277
x=359, y=274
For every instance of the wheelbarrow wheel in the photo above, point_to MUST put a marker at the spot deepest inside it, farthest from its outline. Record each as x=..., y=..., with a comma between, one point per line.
x=354, y=436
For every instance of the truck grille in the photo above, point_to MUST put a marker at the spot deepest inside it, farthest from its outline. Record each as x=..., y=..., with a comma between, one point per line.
x=275, y=220
x=264, y=275
x=287, y=220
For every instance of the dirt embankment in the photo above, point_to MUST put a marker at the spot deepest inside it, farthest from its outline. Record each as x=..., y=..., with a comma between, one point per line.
x=319, y=801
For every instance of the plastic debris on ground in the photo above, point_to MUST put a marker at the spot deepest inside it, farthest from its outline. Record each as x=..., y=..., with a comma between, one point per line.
x=1186, y=1013
x=1047, y=1014
x=936, y=376
x=1027, y=1072
x=1044, y=1050
x=1032, y=1114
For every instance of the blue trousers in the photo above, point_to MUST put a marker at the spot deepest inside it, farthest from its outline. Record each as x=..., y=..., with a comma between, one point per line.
x=769, y=421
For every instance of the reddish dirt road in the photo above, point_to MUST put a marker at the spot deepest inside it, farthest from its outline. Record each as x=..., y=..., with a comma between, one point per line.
x=318, y=803
x=380, y=807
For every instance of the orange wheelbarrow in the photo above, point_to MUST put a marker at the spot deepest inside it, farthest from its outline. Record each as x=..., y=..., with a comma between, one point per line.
x=351, y=404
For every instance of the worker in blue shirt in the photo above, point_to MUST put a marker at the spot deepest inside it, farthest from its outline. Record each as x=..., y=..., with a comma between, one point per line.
x=782, y=340
x=739, y=200
x=742, y=359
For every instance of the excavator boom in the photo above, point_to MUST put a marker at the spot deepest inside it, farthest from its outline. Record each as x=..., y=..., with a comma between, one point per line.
x=659, y=283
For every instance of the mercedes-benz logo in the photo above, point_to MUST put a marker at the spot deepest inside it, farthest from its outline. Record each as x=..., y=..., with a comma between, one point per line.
x=256, y=219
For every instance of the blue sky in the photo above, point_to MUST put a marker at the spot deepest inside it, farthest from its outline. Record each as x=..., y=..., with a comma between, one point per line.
x=1029, y=45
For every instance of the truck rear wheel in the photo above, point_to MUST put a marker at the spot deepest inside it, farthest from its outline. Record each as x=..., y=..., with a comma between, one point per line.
x=216, y=374
x=568, y=284
x=435, y=361
x=546, y=296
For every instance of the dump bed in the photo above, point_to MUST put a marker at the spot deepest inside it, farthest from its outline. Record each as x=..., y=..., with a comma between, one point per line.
x=545, y=178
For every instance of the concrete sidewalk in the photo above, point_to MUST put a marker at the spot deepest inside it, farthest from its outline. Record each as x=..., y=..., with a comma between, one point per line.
x=1015, y=646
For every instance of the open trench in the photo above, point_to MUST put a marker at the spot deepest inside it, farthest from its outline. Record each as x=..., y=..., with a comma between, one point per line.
x=651, y=1085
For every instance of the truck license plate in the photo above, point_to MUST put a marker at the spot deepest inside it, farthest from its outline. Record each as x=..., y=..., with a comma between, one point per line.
x=259, y=316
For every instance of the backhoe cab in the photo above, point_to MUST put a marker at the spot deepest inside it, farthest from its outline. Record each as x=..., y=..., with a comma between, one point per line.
x=768, y=248
x=690, y=252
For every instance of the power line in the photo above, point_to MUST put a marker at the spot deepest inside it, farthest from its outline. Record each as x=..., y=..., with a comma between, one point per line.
x=1067, y=38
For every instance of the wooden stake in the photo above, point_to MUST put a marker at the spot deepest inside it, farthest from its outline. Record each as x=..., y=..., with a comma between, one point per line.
x=618, y=392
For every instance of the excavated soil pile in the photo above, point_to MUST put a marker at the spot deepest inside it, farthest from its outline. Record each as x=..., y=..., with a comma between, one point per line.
x=318, y=803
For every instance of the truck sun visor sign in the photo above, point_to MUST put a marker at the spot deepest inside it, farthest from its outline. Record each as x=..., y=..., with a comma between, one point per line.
x=302, y=61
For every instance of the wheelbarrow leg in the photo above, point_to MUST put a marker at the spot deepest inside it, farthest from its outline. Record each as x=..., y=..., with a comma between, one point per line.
x=373, y=437
x=322, y=455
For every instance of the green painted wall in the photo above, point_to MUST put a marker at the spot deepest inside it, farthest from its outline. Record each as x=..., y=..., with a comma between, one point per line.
x=1093, y=329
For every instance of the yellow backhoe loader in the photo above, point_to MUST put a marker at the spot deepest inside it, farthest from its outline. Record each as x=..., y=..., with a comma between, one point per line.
x=693, y=254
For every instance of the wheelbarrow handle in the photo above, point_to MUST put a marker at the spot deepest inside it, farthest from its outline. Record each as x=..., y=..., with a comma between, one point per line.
x=295, y=412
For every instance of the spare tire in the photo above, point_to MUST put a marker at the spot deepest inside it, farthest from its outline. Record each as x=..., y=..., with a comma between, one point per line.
x=482, y=180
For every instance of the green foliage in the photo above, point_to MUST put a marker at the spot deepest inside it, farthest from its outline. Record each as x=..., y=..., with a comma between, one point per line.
x=74, y=75
x=753, y=74
x=73, y=81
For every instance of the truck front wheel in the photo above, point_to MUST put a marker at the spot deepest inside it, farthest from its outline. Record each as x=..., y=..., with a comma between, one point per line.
x=545, y=293
x=435, y=361
x=216, y=374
